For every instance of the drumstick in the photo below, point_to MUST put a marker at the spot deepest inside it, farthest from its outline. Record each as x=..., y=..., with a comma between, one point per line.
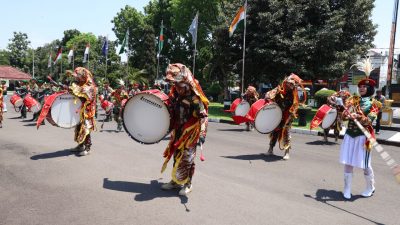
x=201, y=152
x=384, y=155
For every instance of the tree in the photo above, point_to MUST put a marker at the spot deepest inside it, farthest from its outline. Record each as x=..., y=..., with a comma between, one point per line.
x=4, y=57
x=18, y=49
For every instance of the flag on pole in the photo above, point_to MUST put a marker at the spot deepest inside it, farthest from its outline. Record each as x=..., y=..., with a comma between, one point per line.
x=161, y=39
x=124, y=43
x=240, y=15
x=104, y=49
x=58, y=55
x=70, y=55
x=86, y=54
x=193, y=28
x=50, y=61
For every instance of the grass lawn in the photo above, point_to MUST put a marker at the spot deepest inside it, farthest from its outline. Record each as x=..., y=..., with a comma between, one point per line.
x=216, y=111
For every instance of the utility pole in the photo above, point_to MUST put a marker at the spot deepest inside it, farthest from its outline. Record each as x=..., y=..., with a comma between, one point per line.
x=391, y=48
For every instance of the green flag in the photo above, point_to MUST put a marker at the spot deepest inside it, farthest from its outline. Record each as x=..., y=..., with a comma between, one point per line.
x=161, y=39
x=124, y=43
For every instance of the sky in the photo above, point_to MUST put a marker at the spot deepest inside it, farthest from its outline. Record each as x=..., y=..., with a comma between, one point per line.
x=46, y=20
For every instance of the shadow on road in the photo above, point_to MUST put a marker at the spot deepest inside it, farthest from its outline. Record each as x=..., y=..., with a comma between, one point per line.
x=14, y=118
x=146, y=192
x=233, y=129
x=30, y=124
x=266, y=158
x=110, y=131
x=61, y=153
x=326, y=196
x=319, y=142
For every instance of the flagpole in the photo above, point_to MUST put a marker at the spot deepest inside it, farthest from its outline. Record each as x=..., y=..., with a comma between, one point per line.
x=244, y=44
x=88, y=55
x=158, y=65
x=195, y=45
x=73, y=58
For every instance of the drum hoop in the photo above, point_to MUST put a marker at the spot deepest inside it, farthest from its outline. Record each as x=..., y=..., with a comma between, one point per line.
x=50, y=119
x=126, y=130
x=327, y=113
x=234, y=112
x=272, y=103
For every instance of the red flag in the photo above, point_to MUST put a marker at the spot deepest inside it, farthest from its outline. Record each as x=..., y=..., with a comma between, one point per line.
x=58, y=55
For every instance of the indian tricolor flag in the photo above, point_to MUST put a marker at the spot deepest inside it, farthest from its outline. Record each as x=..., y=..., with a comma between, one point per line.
x=240, y=15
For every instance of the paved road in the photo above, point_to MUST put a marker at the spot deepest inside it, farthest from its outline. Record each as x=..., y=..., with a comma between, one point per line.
x=41, y=182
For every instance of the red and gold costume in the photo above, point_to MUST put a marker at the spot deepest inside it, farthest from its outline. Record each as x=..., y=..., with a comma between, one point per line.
x=86, y=90
x=120, y=97
x=286, y=96
x=336, y=100
x=250, y=96
x=189, y=110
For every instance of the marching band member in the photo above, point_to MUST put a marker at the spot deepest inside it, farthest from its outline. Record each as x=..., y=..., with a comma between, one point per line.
x=22, y=91
x=106, y=91
x=1, y=106
x=336, y=100
x=4, y=87
x=119, y=95
x=286, y=96
x=189, y=110
x=84, y=88
x=355, y=150
x=250, y=96
x=135, y=89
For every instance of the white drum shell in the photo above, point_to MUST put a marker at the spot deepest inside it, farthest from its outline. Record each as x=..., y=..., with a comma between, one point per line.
x=329, y=119
x=268, y=118
x=146, y=118
x=19, y=103
x=242, y=109
x=65, y=111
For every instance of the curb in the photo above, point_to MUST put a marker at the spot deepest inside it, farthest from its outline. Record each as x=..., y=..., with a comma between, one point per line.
x=309, y=132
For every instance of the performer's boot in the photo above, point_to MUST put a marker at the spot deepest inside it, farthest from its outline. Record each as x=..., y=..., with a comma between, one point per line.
x=87, y=145
x=1, y=125
x=369, y=179
x=186, y=189
x=170, y=185
x=347, y=185
x=78, y=148
x=270, y=150
x=286, y=155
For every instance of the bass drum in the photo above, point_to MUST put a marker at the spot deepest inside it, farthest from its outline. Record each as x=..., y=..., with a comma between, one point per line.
x=242, y=109
x=329, y=118
x=146, y=116
x=267, y=116
x=64, y=111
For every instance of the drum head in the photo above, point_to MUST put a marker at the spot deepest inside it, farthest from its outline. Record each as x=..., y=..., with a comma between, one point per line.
x=329, y=119
x=19, y=103
x=268, y=118
x=146, y=118
x=65, y=111
x=242, y=109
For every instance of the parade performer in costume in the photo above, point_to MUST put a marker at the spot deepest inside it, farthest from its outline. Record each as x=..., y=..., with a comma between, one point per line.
x=286, y=96
x=105, y=92
x=22, y=91
x=120, y=96
x=355, y=150
x=337, y=101
x=135, y=89
x=86, y=90
x=1, y=106
x=250, y=96
x=189, y=109
x=4, y=87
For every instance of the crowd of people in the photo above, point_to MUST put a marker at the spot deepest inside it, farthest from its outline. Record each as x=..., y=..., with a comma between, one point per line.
x=189, y=109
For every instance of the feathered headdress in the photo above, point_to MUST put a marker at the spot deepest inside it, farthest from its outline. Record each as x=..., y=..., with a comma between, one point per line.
x=366, y=66
x=121, y=82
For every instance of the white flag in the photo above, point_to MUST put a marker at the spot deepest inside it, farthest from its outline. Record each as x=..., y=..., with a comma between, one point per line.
x=86, y=54
x=70, y=55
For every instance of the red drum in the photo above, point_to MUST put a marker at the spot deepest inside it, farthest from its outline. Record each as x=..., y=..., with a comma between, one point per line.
x=106, y=105
x=64, y=111
x=31, y=103
x=242, y=109
x=146, y=116
x=234, y=104
x=266, y=116
x=324, y=117
x=16, y=101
